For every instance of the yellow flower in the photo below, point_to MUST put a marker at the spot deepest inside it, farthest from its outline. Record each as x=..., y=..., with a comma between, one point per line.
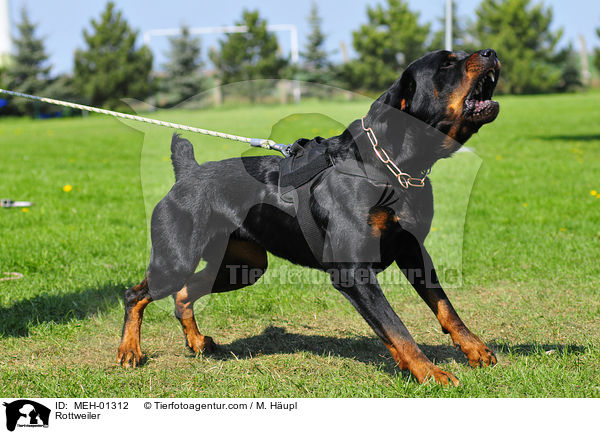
x=25, y=210
x=593, y=192
x=525, y=204
x=562, y=229
x=67, y=188
x=498, y=157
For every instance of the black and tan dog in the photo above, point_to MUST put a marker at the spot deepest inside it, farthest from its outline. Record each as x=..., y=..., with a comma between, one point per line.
x=350, y=205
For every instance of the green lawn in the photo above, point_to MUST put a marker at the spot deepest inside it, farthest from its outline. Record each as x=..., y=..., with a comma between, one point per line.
x=527, y=257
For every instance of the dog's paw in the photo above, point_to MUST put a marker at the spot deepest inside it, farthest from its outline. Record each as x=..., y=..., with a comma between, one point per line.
x=201, y=344
x=129, y=357
x=481, y=356
x=442, y=378
x=477, y=352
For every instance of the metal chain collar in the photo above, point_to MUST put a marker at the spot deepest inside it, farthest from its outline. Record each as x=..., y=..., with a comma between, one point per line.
x=403, y=178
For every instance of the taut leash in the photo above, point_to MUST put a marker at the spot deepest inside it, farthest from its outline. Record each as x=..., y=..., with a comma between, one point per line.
x=261, y=143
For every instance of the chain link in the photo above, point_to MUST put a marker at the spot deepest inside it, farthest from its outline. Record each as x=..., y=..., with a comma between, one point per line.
x=403, y=178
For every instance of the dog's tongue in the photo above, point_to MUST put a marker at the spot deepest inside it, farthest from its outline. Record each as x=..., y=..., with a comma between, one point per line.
x=477, y=107
x=481, y=105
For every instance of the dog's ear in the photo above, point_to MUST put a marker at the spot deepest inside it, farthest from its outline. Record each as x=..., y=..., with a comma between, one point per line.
x=406, y=90
x=398, y=97
x=400, y=94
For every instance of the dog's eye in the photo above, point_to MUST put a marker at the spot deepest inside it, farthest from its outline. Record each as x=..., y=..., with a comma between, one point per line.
x=448, y=63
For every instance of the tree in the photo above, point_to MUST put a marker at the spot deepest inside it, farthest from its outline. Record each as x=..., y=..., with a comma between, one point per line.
x=390, y=40
x=570, y=67
x=28, y=70
x=111, y=67
x=521, y=35
x=316, y=66
x=249, y=56
x=183, y=70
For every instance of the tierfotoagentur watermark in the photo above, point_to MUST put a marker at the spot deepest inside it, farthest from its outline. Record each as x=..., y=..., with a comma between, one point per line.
x=294, y=275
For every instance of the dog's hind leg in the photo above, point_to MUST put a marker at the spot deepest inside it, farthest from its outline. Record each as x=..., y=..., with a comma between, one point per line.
x=243, y=263
x=136, y=299
x=172, y=261
x=197, y=286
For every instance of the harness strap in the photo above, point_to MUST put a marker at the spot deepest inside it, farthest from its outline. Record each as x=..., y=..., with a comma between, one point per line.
x=305, y=173
x=314, y=237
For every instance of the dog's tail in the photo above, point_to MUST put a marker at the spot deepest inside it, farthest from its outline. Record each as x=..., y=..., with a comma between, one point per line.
x=182, y=156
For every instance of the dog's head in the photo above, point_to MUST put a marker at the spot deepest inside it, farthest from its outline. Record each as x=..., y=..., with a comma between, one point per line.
x=450, y=91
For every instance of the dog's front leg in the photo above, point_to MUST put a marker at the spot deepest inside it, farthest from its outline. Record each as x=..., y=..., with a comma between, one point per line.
x=359, y=285
x=417, y=266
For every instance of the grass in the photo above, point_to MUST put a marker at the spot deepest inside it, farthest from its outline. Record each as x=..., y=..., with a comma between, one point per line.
x=524, y=242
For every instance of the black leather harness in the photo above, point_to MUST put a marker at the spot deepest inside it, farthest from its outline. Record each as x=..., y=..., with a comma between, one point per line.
x=299, y=174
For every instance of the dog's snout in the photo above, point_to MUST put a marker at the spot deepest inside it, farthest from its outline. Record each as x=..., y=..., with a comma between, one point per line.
x=487, y=53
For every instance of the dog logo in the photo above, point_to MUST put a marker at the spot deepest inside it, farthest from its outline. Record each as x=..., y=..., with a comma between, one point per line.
x=26, y=413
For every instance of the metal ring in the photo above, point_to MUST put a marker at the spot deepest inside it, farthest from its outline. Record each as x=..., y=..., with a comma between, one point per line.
x=378, y=150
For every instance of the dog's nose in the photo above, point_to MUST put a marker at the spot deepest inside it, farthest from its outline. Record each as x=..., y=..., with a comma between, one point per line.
x=487, y=53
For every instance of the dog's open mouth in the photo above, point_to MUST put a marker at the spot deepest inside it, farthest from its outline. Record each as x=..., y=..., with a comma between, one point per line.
x=479, y=106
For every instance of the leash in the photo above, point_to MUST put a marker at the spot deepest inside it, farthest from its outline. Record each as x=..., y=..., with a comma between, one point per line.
x=260, y=143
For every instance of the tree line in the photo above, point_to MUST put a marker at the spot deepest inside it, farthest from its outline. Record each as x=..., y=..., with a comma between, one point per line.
x=113, y=65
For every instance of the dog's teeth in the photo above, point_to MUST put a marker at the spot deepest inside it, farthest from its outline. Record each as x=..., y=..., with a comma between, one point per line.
x=491, y=76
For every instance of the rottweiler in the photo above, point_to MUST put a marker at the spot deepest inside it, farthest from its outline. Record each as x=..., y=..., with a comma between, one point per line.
x=349, y=205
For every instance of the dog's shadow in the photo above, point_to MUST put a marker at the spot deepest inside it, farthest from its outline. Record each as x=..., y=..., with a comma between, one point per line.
x=571, y=137
x=17, y=318
x=365, y=349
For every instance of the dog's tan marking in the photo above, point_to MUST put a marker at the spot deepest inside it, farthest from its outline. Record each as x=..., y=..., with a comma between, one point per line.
x=246, y=252
x=476, y=351
x=184, y=306
x=130, y=352
x=456, y=101
x=407, y=355
x=380, y=219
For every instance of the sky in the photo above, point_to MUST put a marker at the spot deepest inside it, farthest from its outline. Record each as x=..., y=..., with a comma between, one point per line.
x=60, y=22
